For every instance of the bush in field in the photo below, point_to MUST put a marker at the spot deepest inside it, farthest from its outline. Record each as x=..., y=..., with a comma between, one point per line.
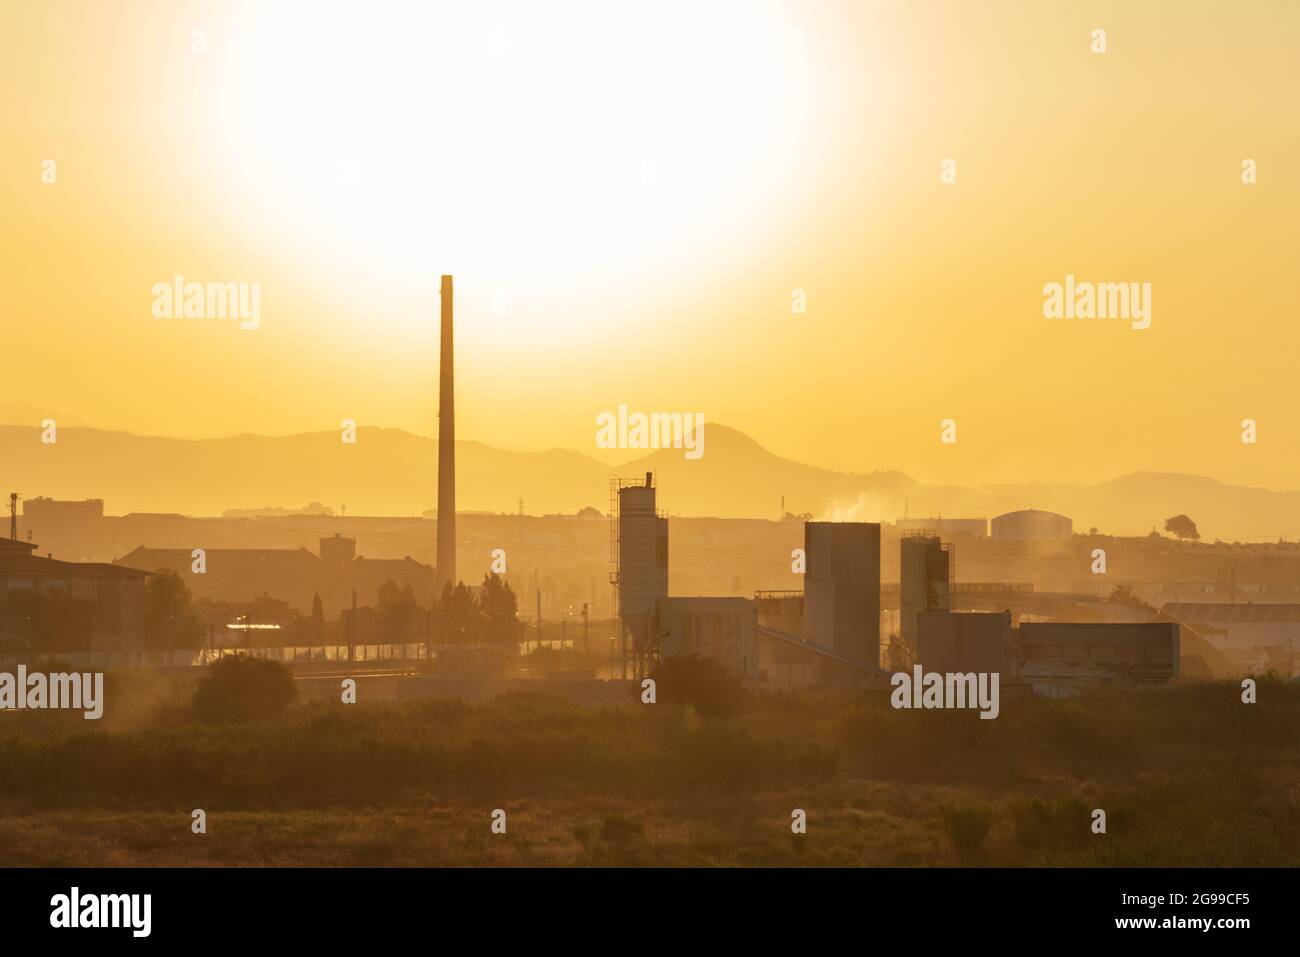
x=967, y=827
x=1051, y=825
x=240, y=688
x=622, y=831
x=703, y=683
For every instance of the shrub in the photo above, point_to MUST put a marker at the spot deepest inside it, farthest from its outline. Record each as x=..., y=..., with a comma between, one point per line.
x=1053, y=825
x=703, y=683
x=967, y=827
x=621, y=830
x=240, y=688
x=621, y=841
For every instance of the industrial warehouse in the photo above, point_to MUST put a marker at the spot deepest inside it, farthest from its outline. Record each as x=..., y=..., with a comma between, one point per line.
x=830, y=634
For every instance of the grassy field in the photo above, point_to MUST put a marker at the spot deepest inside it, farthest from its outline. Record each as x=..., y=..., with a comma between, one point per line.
x=1187, y=776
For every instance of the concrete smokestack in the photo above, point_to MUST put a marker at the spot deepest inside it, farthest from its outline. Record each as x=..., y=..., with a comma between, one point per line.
x=446, y=569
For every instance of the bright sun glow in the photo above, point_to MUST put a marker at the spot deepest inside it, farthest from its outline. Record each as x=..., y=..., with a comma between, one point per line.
x=516, y=141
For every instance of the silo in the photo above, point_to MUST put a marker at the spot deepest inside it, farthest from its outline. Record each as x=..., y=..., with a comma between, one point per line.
x=924, y=570
x=642, y=575
x=842, y=592
x=1032, y=525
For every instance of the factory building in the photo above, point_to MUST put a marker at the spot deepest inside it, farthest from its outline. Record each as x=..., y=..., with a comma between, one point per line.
x=112, y=595
x=948, y=641
x=1071, y=655
x=1032, y=525
x=945, y=527
x=770, y=640
x=292, y=574
x=829, y=634
x=782, y=665
x=63, y=527
x=842, y=594
x=1240, y=626
x=338, y=550
x=720, y=628
x=46, y=517
x=1256, y=636
x=925, y=583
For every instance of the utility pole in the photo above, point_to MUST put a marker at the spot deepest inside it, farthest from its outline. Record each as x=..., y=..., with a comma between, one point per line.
x=586, y=621
x=13, y=516
x=539, y=618
x=352, y=624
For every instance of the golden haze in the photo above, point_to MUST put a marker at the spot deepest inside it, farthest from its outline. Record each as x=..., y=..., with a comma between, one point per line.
x=639, y=213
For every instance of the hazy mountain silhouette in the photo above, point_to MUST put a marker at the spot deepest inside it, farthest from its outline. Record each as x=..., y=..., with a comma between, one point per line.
x=20, y=413
x=389, y=471
x=736, y=476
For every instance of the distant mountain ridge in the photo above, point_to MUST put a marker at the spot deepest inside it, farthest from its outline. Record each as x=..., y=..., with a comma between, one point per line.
x=393, y=472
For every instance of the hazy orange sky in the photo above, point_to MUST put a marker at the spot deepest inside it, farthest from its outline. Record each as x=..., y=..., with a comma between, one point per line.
x=628, y=194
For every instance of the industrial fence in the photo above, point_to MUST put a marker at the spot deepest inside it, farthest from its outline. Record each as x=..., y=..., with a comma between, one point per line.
x=408, y=652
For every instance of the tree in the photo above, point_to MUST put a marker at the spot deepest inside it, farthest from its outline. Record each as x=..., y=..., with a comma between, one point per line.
x=170, y=620
x=457, y=615
x=317, y=616
x=499, y=609
x=703, y=683
x=397, y=609
x=1183, y=527
x=240, y=688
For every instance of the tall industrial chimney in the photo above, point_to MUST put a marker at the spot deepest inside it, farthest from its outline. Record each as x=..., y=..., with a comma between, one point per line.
x=446, y=570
